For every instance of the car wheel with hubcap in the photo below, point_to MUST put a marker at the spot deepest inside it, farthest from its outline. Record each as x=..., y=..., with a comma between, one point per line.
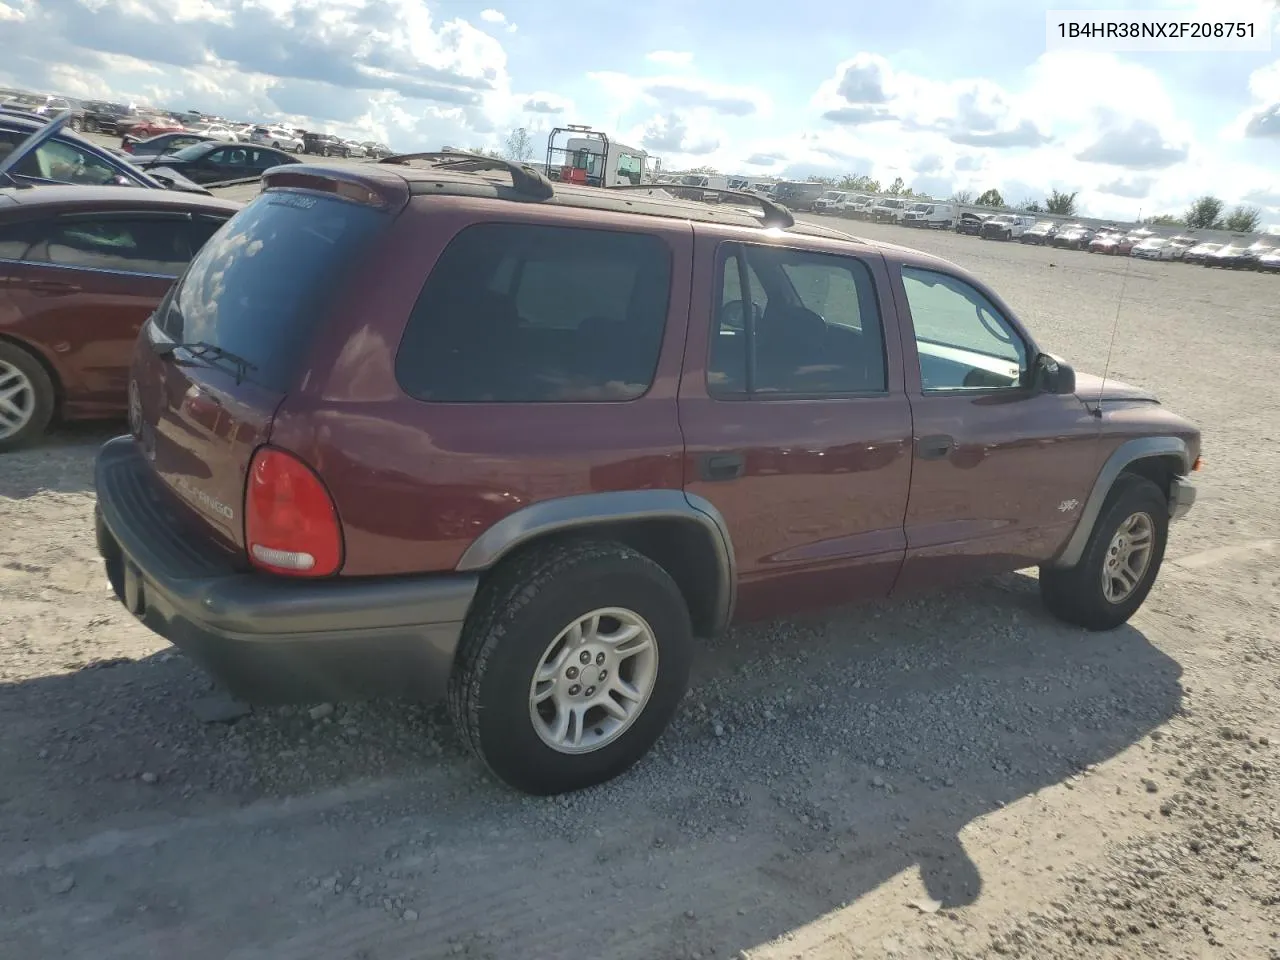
x=1120, y=561
x=27, y=397
x=571, y=665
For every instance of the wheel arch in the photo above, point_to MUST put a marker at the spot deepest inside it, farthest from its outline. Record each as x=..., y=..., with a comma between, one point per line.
x=1158, y=459
x=682, y=533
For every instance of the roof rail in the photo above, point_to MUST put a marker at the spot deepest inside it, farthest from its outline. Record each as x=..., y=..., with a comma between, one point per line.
x=526, y=180
x=774, y=215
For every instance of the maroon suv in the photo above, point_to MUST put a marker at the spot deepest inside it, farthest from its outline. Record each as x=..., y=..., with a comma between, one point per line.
x=446, y=429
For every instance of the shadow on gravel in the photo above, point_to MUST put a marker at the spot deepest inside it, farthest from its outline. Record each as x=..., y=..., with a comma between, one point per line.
x=61, y=462
x=812, y=762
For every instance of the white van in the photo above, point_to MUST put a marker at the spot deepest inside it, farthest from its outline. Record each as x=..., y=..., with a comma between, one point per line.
x=939, y=216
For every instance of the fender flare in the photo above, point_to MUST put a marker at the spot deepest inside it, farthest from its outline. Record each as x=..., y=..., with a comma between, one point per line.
x=583, y=511
x=1129, y=452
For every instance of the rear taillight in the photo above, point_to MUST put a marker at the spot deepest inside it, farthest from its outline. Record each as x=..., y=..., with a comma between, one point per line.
x=290, y=523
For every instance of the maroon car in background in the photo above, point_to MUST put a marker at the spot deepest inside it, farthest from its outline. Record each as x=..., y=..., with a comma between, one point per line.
x=81, y=269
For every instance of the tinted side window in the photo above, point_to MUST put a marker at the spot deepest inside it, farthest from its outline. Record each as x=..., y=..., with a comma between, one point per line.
x=16, y=240
x=200, y=230
x=524, y=313
x=962, y=339
x=130, y=246
x=817, y=327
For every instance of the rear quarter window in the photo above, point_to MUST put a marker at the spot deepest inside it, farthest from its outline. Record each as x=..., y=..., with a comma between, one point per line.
x=523, y=313
x=259, y=286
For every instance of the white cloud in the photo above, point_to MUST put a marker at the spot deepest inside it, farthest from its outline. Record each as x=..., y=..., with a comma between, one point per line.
x=673, y=92
x=670, y=58
x=493, y=16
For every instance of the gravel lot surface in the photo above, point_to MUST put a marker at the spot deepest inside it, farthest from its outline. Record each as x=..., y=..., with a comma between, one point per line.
x=958, y=776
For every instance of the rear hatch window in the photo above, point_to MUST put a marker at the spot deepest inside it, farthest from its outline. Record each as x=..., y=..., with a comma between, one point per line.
x=257, y=288
x=224, y=348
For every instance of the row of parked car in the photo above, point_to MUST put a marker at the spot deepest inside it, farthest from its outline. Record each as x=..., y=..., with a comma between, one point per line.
x=907, y=211
x=133, y=125
x=1262, y=255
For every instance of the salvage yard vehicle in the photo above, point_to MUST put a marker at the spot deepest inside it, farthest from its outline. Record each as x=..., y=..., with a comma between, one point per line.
x=81, y=269
x=1040, y=234
x=931, y=215
x=970, y=224
x=1075, y=236
x=1198, y=253
x=216, y=161
x=280, y=138
x=1179, y=245
x=1229, y=256
x=798, y=195
x=1152, y=248
x=830, y=202
x=1004, y=226
x=456, y=430
x=888, y=210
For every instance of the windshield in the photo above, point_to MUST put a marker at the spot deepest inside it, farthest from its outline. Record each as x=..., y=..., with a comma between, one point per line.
x=256, y=288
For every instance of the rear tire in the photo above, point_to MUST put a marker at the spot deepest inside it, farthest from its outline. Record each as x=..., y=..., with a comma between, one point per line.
x=27, y=398
x=514, y=634
x=1079, y=595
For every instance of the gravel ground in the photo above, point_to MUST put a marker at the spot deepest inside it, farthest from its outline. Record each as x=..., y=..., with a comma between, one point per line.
x=957, y=776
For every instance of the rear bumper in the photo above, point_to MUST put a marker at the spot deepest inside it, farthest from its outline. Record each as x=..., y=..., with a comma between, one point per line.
x=1182, y=496
x=270, y=639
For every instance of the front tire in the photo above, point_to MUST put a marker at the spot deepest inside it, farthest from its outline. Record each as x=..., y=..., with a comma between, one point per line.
x=27, y=398
x=571, y=665
x=1120, y=562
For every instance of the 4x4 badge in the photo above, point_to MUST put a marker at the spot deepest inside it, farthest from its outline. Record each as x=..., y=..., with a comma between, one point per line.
x=1066, y=506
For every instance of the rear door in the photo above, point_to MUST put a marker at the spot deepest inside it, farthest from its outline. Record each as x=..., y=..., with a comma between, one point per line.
x=86, y=284
x=795, y=421
x=226, y=345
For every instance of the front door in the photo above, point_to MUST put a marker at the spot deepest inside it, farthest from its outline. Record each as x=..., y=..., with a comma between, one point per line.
x=795, y=421
x=1001, y=470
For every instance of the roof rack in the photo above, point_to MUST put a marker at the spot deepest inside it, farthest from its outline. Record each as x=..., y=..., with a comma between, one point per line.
x=775, y=215
x=526, y=180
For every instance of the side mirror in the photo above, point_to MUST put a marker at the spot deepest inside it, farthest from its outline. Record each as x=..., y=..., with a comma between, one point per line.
x=1054, y=375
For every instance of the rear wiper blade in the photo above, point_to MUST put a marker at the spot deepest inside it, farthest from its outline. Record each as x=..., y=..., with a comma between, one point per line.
x=203, y=350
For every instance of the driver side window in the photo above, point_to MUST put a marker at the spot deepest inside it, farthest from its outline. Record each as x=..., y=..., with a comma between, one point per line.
x=962, y=340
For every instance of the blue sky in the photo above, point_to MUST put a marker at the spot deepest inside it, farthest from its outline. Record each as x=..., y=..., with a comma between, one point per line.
x=949, y=96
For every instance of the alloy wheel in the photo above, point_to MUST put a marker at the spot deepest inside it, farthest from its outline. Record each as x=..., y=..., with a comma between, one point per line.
x=593, y=680
x=1128, y=557
x=17, y=400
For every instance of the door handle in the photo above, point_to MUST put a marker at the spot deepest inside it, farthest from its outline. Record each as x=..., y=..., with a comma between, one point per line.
x=723, y=466
x=934, y=448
